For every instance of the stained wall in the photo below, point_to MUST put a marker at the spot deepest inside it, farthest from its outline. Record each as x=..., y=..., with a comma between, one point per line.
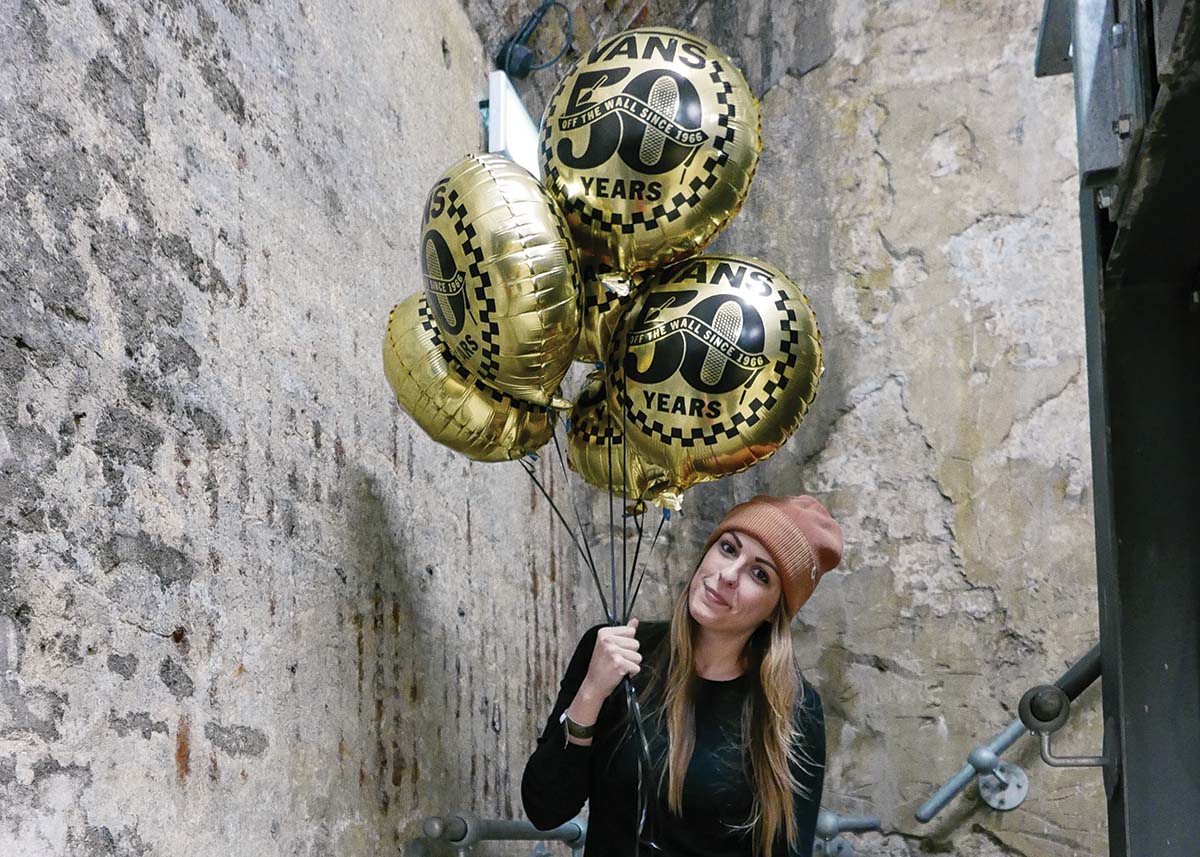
x=245, y=606
x=921, y=185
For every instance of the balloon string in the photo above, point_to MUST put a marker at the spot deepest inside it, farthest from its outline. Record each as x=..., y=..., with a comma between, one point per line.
x=666, y=516
x=591, y=561
x=645, y=765
x=643, y=747
x=625, y=606
x=612, y=539
x=591, y=566
x=637, y=549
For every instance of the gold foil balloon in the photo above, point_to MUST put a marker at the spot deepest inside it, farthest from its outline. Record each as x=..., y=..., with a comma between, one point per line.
x=596, y=448
x=452, y=406
x=714, y=366
x=502, y=277
x=602, y=311
x=649, y=144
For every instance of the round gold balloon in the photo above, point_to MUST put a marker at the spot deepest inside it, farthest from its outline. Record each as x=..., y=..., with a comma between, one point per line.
x=602, y=311
x=649, y=144
x=452, y=406
x=502, y=277
x=597, y=452
x=714, y=366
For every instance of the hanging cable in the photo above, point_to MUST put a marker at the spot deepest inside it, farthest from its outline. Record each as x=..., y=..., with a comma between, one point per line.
x=516, y=59
x=571, y=496
x=586, y=554
x=666, y=516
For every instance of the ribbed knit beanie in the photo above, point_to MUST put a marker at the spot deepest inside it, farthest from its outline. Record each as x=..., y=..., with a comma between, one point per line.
x=798, y=532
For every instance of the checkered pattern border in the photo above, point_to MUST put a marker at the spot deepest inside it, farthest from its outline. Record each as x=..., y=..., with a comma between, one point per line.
x=484, y=303
x=680, y=202
x=743, y=418
x=430, y=329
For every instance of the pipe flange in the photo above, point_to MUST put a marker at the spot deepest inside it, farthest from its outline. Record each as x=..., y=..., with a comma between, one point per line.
x=1005, y=789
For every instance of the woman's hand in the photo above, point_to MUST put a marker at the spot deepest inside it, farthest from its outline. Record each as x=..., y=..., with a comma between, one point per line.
x=615, y=656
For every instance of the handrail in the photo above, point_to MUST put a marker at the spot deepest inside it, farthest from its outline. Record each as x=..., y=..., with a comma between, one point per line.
x=984, y=759
x=464, y=829
x=830, y=824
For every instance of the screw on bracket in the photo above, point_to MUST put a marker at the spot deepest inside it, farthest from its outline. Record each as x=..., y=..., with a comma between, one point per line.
x=1118, y=35
x=1123, y=125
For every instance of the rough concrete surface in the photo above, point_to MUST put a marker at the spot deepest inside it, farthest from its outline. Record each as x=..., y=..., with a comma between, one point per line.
x=246, y=607
x=921, y=185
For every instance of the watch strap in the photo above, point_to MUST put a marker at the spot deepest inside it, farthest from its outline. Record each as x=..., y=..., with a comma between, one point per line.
x=574, y=730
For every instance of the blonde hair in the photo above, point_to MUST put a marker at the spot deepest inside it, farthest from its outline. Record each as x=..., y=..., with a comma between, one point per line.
x=768, y=733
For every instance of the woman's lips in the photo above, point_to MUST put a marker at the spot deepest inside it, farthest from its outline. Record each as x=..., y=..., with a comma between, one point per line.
x=714, y=598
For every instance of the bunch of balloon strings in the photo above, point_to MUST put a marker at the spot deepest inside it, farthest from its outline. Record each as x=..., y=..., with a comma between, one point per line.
x=629, y=589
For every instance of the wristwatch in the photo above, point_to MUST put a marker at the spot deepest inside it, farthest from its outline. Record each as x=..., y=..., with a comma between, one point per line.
x=574, y=730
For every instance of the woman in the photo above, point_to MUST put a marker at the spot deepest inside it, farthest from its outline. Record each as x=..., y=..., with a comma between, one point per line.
x=721, y=698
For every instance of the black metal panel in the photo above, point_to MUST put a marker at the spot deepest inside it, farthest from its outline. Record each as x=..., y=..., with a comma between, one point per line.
x=1159, y=236
x=1093, y=241
x=1152, y=360
x=1143, y=328
x=1167, y=14
x=1054, y=39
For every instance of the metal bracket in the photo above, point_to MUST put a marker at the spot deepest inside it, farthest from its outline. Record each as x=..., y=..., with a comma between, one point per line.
x=830, y=824
x=1002, y=785
x=1044, y=710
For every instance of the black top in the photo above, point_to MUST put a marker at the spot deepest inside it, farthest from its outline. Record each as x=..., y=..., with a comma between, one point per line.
x=716, y=793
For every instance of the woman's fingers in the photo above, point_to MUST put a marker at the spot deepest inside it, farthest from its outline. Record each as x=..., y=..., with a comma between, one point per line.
x=626, y=643
x=619, y=630
x=631, y=667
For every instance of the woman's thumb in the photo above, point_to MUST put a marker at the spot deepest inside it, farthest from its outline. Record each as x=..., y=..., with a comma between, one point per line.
x=633, y=623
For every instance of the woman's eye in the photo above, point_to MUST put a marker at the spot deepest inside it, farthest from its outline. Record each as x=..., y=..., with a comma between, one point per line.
x=762, y=575
x=727, y=547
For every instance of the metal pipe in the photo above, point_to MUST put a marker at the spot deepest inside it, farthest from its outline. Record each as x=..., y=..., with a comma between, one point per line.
x=1078, y=677
x=464, y=829
x=1081, y=674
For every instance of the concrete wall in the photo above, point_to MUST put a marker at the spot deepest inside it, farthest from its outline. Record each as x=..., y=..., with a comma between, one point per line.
x=922, y=186
x=245, y=606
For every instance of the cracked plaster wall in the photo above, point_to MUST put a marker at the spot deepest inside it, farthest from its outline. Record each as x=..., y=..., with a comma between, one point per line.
x=246, y=607
x=921, y=184
x=238, y=592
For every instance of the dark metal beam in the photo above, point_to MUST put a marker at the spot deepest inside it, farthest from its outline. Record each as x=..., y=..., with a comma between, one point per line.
x=1054, y=39
x=1143, y=333
x=1159, y=234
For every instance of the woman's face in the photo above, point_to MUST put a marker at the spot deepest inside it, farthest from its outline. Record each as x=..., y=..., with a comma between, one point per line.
x=736, y=586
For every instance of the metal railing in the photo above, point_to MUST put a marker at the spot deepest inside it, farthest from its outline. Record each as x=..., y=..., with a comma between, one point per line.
x=462, y=830
x=1003, y=786
x=830, y=824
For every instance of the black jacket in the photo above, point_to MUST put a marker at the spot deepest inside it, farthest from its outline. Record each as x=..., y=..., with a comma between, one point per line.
x=560, y=777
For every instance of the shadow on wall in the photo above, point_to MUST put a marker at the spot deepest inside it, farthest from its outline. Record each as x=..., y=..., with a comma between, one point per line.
x=404, y=675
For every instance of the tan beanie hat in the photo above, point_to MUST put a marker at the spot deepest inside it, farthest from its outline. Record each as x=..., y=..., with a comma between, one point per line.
x=798, y=532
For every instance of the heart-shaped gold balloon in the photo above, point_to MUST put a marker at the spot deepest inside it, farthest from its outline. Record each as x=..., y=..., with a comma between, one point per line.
x=714, y=366
x=451, y=405
x=649, y=144
x=502, y=277
x=597, y=452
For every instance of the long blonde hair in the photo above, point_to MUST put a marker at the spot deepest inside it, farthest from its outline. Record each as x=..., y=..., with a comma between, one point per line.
x=768, y=732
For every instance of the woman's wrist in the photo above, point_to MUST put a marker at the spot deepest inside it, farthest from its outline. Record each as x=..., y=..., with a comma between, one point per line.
x=585, y=707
